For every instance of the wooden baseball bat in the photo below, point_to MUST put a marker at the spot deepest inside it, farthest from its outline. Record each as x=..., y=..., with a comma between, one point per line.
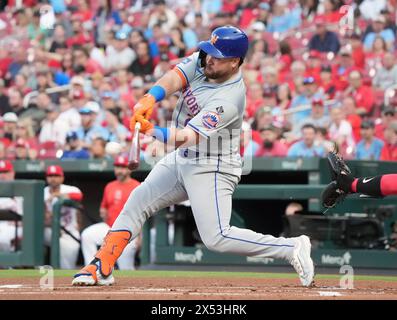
x=134, y=155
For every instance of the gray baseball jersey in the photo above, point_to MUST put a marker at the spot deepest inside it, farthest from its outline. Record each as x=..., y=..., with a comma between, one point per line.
x=206, y=174
x=213, y=110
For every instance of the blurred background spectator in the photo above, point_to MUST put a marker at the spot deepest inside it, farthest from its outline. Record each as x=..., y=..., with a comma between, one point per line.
x=378, y=28
x=73, y=147
x=307, y=147
x=362, y=93
x=98, y=148
x=272, y=146
x=370, y=147
x=389, y=150
x=341, y=132
x=324, y=40
x=388, y=116
x=318, y=117
x=386, y=76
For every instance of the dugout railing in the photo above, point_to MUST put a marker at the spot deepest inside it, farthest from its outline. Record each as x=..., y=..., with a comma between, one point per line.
x=31, y=250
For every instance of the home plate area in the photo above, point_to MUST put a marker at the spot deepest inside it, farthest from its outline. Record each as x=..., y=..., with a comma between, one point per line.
x=186, y=288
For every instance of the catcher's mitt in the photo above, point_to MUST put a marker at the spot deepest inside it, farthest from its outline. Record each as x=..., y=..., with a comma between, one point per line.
x=332, y=195
x=342, y=178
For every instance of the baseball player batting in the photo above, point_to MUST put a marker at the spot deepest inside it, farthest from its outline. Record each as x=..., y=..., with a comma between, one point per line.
x=209, y=113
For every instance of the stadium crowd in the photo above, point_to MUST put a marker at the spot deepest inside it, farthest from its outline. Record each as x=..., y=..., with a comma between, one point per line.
x=317, y=74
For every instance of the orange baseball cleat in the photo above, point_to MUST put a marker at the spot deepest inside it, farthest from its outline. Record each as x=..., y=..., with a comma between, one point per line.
x=99, y=271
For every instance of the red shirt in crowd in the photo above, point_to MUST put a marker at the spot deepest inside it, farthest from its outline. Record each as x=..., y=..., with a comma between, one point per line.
x=252, y=106
x=355, y=121
x=230, y=6
x=374, y=59
x=4, y=64
x=364, y=97
x=379, y=128
x=389, y=152
x=115, y=195
x=256, y=136
x=341, y=77
x=247, y=16
x=329, y=88
x=5, y=141
x=25, y=3
x=286, y=60
x=84, y=15
x=332, y=17
x=358, y=56
x=279, y=149
x=314, y=72
x=79, y=40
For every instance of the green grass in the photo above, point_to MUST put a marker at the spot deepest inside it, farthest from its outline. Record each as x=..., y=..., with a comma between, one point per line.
x=190, y=274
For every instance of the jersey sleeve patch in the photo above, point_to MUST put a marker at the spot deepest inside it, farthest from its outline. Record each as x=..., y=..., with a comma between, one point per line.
x=210, y=120
x=186, y=61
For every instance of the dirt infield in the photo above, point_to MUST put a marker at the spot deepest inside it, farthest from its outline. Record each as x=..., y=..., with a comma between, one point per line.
x=186, y=288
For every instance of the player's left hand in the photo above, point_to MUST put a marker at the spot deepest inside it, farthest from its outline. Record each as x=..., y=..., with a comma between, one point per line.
x=144, y=107
x=146, y=125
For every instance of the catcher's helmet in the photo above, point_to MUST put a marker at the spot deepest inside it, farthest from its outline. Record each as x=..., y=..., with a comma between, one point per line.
x=226, y=42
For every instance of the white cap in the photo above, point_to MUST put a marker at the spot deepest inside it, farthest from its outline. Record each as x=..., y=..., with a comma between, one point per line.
x=380, y=18
x=269, y=69
x=93, y=106
x=10, y=117
x=346, y=50
x=77, y=80
x=137, y=82
x=281, y=2
x=258, y=26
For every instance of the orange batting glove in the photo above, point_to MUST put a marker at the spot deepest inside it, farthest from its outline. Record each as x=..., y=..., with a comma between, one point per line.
x=144, y=107
x=146, y=125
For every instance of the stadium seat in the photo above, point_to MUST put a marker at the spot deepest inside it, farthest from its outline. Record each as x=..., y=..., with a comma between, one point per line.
x=47, y=150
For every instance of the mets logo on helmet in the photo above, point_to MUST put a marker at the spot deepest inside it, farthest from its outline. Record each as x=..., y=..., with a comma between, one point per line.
x=210, y=120
x=214, y=38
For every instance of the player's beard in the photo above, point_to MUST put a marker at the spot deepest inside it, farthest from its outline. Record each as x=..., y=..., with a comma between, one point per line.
x=211, y=74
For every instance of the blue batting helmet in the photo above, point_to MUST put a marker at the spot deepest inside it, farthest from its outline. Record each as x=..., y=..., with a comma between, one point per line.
x=226, y=42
